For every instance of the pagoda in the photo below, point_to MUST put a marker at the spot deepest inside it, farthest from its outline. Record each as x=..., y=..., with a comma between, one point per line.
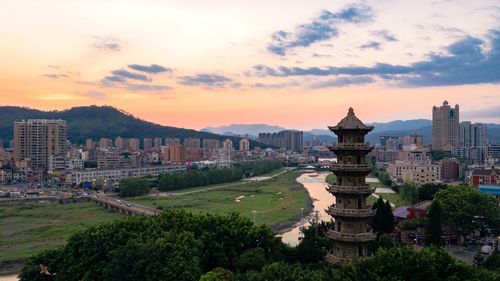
x=351, y=234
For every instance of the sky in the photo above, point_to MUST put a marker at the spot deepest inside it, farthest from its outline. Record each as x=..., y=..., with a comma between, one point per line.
x=298, y=64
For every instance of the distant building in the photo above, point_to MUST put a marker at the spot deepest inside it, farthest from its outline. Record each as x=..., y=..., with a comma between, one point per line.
x=227, y=144
x=485, y=177
x=38, y=139
x=174, y=154
x=473, y=135
x=450, y=169
x=89, y=144
x=244, y=144
x=134, y=144
x=418, y=168
x=105, y=143
x=77, y=177
x=211, y=143
x=172, y=141
x=157, y=143
x=192, y=142
x=120, y=143
x=147, y=144
x=194, y=154
x=383, y=140
x=288, y=139
x=413, y=142
x=445, y=127
x=494, y=150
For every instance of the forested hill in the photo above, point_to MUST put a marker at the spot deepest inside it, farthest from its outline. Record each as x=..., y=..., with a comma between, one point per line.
x=100, y=121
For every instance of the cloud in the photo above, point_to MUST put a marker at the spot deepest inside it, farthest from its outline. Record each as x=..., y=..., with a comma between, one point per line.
x=467, y=61
x=107, y=43
x=492, y=112
x=371, y=45
x=148, y=87
x=154, y=68
x=130, y=75
x=321, y=28
x=210, y=80
x=96, y=95
x=259, y=85
x=342, y=82
x=55, y=76
x=386, y=35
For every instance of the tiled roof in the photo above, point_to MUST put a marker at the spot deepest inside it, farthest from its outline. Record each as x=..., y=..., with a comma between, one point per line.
x=484, y=172
x=351, y=122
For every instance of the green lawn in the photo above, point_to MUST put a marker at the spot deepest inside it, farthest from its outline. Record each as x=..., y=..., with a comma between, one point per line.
x=277, y=201
x=26, y=228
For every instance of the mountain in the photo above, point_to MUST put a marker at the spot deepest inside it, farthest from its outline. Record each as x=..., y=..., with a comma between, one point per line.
x=101, y=121
x=397, y=128
x=243, y=129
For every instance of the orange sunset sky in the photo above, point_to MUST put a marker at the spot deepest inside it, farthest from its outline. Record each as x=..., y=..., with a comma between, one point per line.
x=297, y=64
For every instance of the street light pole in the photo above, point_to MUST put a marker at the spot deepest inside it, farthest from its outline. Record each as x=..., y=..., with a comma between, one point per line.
x=302, y=211
x=254, y=212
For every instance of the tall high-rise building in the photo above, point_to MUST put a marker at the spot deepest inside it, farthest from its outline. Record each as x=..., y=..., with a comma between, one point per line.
x=244, y=144
x=445, y=127
x=192, y=142
x=89, y=144
x=105, y=143
x=473, y=135
x=147, y=144
x=38, y=139
x=351, y=235
x=288, y=139
x=157, y=142
x=174, y=154
x=211, y=143
x=134, y=144
x=227, y=144
x=120, y=143
x=172, y=141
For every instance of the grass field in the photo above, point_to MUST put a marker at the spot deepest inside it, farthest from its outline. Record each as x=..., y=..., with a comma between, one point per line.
x=277, y=200
x=26, y=228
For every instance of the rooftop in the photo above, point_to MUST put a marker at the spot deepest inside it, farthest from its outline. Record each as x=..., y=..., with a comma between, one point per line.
x=351, y=122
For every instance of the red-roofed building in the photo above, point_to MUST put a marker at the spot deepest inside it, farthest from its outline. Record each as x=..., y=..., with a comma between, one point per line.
x=485, y=176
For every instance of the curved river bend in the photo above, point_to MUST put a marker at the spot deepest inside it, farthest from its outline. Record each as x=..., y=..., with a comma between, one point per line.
x=315, y=184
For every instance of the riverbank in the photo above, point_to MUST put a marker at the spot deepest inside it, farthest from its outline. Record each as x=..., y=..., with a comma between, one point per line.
x=277, y=200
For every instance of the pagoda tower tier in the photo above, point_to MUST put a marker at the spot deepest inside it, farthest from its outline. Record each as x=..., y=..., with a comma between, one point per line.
x=351, y=234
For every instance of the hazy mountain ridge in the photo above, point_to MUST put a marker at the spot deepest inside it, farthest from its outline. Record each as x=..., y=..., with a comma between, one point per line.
x=100, y=121
x=396, y=128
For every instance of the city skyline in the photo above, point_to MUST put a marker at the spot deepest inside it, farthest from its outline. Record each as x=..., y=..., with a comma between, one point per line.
x=193, y=64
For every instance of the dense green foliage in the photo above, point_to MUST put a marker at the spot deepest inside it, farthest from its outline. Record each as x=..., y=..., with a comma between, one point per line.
x=195, y=178
x=180, y=246
x=403, y=264
x=433, y=225
x=428, y=191
x=383, y=220
x=173, y=246
x=101, y=121
x=314, y=244
x=133, y=187
x=411, y=224
x=384, y=178
x=409, y=192
x=465, y=209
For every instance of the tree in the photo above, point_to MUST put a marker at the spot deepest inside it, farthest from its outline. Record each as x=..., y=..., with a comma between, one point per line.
x=133, y=187
x=409, y=192
x=465, y=209
x=433, y=225
x=218, y=274
x=383, y=220
x=404, y=263
x=429, y=190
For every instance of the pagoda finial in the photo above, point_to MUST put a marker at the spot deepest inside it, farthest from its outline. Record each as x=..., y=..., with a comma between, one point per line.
x=351, y=112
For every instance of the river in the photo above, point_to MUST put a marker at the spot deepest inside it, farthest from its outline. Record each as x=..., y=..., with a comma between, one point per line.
x=315, y=184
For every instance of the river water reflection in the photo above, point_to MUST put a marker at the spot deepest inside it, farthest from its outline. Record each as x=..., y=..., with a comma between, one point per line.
x=315, y=183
